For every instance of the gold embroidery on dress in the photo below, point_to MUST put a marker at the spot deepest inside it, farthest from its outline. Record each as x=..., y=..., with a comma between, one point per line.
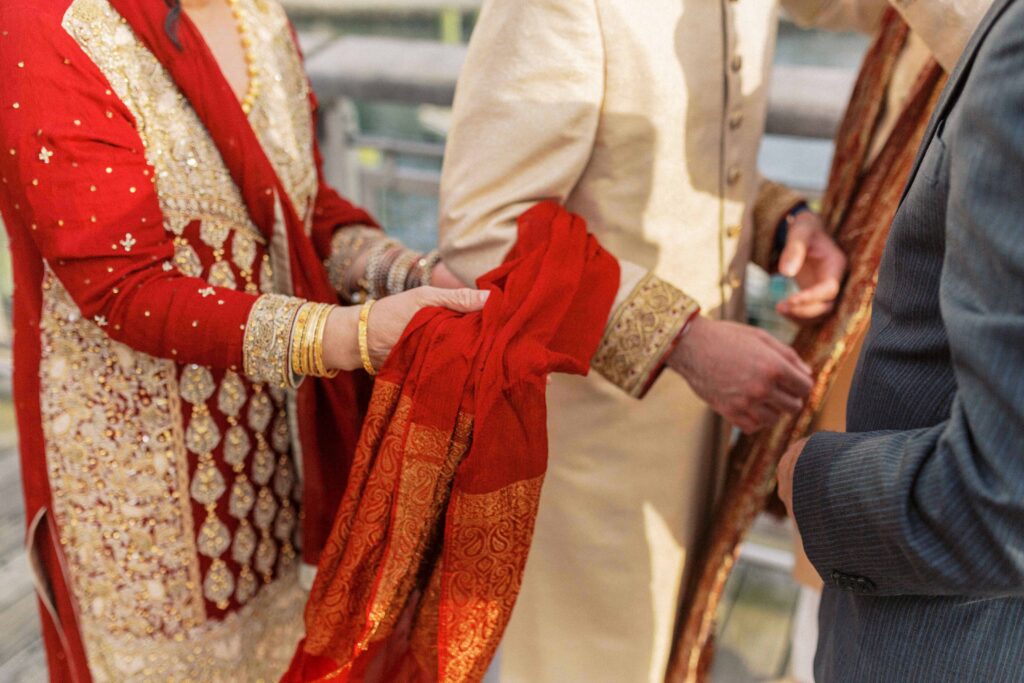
x=157, y=628
x=112, y=424
x=641, y=332
x=208, y=484
x=191, y=179
x=284, y=128
x=267, y=339
x=250, y=645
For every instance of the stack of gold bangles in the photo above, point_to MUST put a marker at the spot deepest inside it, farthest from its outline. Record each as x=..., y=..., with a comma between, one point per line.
x=307, y=342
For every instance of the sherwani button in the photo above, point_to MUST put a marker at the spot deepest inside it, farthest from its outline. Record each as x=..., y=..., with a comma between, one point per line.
x=733, y=231
x=737, y=63
x=734, y=175
x=735, y=120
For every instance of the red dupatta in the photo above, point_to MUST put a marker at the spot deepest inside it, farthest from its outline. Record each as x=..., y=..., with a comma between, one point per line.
x=329, y=414
x=420, y=574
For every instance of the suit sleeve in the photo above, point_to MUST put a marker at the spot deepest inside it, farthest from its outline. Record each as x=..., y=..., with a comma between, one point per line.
x=940, y=511
x=526, y=115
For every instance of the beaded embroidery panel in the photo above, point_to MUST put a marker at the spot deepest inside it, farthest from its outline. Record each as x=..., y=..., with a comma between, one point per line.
x=202, y=521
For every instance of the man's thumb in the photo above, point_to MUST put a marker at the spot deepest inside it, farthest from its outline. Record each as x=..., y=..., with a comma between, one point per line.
x=793, y=256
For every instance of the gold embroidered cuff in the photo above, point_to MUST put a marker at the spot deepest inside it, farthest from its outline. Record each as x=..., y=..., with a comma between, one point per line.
x=268, y=335
x=641, y=333
x=774, y=202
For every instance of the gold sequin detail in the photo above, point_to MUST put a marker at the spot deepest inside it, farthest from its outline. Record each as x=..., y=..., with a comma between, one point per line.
x=119, y=475
x=267, y=338
x=164, y=631
x=284, y=129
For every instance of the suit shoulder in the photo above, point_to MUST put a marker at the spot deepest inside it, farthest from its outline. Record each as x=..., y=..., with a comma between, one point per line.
x=1008, y=29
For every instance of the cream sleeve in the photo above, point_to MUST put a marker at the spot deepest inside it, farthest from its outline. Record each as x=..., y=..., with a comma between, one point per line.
x=837, y=15
x=526, y=113
x=944, y=25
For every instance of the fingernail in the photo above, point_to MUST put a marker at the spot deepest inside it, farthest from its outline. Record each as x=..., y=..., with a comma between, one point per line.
x=484, y=295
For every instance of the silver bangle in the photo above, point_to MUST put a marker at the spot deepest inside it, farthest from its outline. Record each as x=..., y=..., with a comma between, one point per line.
x=426, y=266
x=376, y=268
x=400, y=271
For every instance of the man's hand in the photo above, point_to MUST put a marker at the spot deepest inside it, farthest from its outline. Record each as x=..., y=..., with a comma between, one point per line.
x=818, y=266
x=743, y=373
x=787, y=466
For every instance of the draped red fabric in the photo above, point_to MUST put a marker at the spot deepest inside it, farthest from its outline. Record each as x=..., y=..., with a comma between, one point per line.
x=62, y=104
x=329, y=411
x=420, y=574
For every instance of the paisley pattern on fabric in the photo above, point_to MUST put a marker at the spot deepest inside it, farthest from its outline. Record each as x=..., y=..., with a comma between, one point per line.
x=425, y=561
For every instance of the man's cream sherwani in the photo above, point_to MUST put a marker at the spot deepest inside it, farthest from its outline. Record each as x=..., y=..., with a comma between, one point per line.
x=644, y=117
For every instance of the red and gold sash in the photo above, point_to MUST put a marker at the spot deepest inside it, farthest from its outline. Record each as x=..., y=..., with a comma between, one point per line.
x=420, y=574
x=858, y=209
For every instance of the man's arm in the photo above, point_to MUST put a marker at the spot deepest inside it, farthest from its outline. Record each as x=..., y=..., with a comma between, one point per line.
x=940, y=511
x=944, y=25
x=790, y=239
x=525, y=118
x=526, y=115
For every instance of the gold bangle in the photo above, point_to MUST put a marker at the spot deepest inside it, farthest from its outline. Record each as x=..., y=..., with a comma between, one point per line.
x=297, y=343
x=314, y=347
x=318, y=343
x=306, y=353
x=364, y=344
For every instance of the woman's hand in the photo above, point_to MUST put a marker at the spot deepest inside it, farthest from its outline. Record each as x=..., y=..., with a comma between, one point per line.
x=388, y=319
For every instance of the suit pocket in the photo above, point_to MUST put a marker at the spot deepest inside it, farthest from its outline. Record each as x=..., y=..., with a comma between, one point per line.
x=933, y=164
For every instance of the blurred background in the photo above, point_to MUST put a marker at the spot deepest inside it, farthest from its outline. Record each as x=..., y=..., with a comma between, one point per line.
x=384, y=71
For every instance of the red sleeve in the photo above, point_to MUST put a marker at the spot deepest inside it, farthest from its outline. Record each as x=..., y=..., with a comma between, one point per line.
x=74, y=165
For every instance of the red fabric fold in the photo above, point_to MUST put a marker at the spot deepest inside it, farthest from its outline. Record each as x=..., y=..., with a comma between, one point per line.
x=421, y=571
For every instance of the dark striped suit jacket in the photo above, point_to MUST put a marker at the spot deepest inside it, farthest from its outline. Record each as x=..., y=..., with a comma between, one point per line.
x=915, y=518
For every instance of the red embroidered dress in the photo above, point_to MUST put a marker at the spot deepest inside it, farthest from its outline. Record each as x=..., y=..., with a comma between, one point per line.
x=162, y=243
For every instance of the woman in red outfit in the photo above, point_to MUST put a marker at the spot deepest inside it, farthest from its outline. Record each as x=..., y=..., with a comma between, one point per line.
x=179, y=263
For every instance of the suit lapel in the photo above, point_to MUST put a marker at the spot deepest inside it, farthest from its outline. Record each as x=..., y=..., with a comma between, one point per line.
x=956, y=83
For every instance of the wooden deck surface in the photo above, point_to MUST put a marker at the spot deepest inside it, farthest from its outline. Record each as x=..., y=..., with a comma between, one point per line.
x=21, y=653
